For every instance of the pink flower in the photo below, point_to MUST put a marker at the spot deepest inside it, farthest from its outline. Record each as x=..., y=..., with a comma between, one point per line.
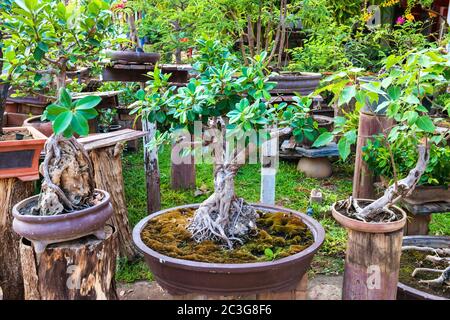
x=400, y=20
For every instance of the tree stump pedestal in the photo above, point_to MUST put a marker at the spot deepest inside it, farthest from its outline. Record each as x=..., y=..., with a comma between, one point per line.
x=81, y=269
x=12, y=190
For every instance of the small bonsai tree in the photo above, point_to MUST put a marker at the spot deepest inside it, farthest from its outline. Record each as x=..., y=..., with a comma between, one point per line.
x=47, y=38
x=409, y=86
x=227, y=99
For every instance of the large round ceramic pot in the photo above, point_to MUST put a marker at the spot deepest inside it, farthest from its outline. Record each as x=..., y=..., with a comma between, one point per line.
x=181, y=277
x=44, y=230
x=133, y=56
x=372, y=261
x=45, y=127
x=405, y=292
x=302, y=83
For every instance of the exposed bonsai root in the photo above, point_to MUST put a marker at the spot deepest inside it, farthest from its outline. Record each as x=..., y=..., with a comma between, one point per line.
x=444, y=278
x=353, y=209
x=223, y=217
x=67, y=172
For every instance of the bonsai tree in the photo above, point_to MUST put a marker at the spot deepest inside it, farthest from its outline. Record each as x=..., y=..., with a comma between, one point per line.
x=48, y=38
x=227, y=99
x=408, y=85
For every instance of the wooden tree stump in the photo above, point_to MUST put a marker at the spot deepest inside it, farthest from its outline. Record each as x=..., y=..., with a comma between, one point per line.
x=11, y=192
x=81, y=269
x=363, y=179
x=372, y=265
x=108, y=176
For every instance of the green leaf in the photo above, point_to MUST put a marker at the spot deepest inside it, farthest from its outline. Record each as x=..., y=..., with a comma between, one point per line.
x=344, y=148
x=394, y=92
x=412, y=99
x=140, y=95
x=425, y=123
x=55, y=110
x=346, y=95
x=80, y=124
x=322, y=140
x=62, y=122
x=38, y=54
x=43, y=46
x=88, y=113
x=64, y=98
x=87, y=102
x=160, y=116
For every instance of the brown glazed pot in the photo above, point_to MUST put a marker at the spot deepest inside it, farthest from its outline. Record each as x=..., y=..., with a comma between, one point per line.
x=302, y=83
x=43, y=230
x=405, y=292
x=180, y=277
x=45, y=127
x=372, y=260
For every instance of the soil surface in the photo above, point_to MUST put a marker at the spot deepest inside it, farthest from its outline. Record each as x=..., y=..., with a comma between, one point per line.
x=11, y=135
x=278, y=235
x=411, y=260
x=320, y=287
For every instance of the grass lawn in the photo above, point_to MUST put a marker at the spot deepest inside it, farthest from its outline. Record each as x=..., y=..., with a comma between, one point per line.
x=292, y=191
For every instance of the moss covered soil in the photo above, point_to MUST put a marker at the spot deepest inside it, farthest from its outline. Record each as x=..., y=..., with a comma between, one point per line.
x=278, y=235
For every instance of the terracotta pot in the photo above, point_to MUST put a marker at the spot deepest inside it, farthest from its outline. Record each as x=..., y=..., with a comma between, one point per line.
x=405, y=292
x=302, y=83
x=20, y=158
x=45, y=127
x=372, y=260
x=132, y=56
x=184, y=276
x=43, y=230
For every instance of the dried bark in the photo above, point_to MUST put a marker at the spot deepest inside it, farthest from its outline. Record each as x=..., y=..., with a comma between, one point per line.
x=12, y=191
x=107, y=164
x=81, y=269
x=68, y=178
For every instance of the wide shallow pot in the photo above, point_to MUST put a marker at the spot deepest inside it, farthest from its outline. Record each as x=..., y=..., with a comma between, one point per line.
x=405, y=292
x=45, y=127
x=44, y=230
x=133, y=56
x=180, y=277
x=20, y=158
x=302, y=83
x=372, y=260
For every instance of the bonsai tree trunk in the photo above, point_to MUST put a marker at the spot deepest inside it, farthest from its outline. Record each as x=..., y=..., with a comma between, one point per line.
x=68, y=177
x=4, y=88
x=224, y=217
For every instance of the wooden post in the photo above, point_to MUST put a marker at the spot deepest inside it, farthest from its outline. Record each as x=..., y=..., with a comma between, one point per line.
x=151, y=169
x=12, y=191
x=417, y=224
x=372, y=264
x=182, y=174
x=363, y=178
x=108, y=176
x=81, y=269
x=269, y=166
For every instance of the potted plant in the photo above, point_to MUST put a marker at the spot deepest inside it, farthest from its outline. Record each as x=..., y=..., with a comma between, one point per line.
x=424, y=268
x=68, y=206
x=107, y=119
x=47, y=39
x=20, y=147
x=433, y=184
x=219, y=238
x=377, y=224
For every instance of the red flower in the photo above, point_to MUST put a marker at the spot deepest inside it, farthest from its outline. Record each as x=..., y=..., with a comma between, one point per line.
x=184, y=39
